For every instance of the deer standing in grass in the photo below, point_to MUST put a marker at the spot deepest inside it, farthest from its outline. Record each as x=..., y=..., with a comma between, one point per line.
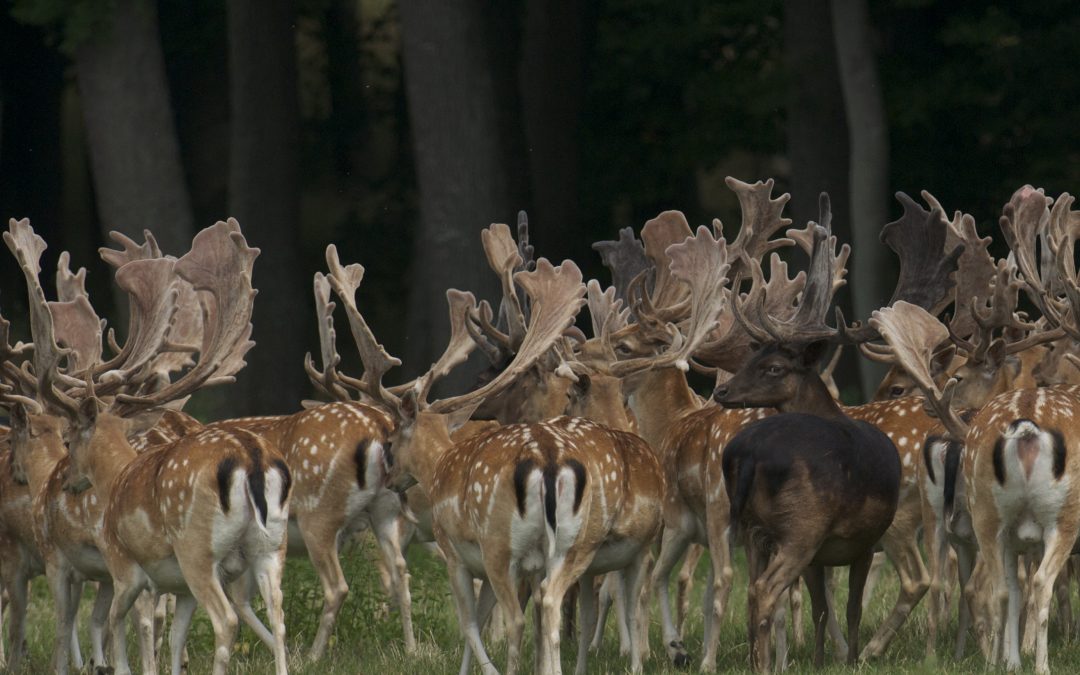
x=825, y=499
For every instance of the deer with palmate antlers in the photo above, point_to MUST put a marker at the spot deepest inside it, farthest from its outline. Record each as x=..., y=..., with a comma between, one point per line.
x=205, y=510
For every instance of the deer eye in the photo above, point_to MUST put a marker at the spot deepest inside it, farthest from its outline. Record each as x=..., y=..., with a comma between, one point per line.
x=774, y=370
x=896, y=391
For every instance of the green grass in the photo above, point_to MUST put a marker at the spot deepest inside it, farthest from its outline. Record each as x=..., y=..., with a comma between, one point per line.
x=368, y=635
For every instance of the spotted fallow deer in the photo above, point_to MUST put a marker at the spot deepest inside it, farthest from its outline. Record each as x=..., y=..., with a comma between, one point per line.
x=1017, y=471
x=193, y=515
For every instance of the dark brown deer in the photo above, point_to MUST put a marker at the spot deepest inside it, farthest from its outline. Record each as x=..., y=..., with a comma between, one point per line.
x=810, y=487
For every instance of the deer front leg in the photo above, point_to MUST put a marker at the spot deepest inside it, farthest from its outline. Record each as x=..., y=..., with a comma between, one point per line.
x=685, y=584
x=17, y=581
x=903, y=549
x=60, y=583
x=720, y=577
x=587, y=619
x=857, y=575
x=178, y=632
x=461, y=587
x=267, y=569
x=819, y=609
x=321, y=541
x=672, y=547
x=99, y=617
x=128, y=582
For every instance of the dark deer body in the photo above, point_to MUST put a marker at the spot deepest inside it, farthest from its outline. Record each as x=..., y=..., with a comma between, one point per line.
x=811, y=488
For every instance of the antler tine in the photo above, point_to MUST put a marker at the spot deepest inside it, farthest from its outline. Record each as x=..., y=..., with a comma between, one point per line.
x=19, y=379
x=497, y=353
x=974, y=269
x=556, y=294
x=461, y=344
x=129, y=250
x=605, y=310
x=761, y=218
x=912, y=333
x=526, y=250
x=670, y=227
x=185, y=335
x=69, y=285
x=326, y=381
x=77, y=327
x=27, y=248
x=503, y=257
x=625, y=259
x=998, y=311
x=219, y=264
x=344, y=281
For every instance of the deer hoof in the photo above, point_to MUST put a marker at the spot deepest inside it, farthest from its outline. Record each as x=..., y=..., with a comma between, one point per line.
x=679, y=658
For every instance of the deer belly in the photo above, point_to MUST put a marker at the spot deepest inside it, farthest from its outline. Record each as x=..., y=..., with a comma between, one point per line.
x=614, y=555
x=165, y=575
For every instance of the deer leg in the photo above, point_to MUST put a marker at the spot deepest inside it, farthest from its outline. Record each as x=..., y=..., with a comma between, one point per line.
x=832, y=626
x=143, y=617
x=903, y=549
x=161, y=614
x=631, y=580
x=685, y=583
x=76, y=590
x=484, y=605
x=128, y=583
x=1058, y=546
x=98, y=621
x=938, y=553
x=587, y=609
x=796, y=601
x=673, y=544
x=268, y=568
x=561, y=574
x=784, y=567
x=201, y=572
x=178, y=631
x=239, y=591
x=965, y=561
x=60, y=583
x=779, y=629
x=857, y=574
x=465, y=603
x=388, y=533
x=1011, y=637
x=18, y=591
x=605, y=598
x=718, y=524
x=1064, y=602
x=819, y=609
x=872, y=579
x=322, y=546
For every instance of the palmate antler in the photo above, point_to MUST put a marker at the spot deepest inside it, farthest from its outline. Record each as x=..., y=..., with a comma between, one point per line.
x=625, y=259
x=556, y=296
x=912, y=334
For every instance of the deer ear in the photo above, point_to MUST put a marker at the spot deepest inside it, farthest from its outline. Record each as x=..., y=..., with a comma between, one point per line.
x=409, y=405
x=814, y=352
x=995, y=355
x=941, y=360
x=87, y=413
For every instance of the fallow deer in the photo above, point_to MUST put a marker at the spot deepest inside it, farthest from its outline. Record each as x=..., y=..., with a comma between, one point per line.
x=823, y=500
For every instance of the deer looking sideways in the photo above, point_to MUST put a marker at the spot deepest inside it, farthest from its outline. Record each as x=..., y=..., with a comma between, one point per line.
x=203, y=511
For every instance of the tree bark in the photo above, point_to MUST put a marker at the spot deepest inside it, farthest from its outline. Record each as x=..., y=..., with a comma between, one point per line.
x=463, y=121
x=817, y=134
x=552, y=81
x=264, y=197
x=134, y=154
x=869, y=166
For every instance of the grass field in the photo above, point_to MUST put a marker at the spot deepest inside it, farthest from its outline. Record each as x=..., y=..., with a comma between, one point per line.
x=368, y=636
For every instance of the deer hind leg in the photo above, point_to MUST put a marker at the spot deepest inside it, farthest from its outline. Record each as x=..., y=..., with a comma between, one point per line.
x=604, y=600
x=718, y=522
x=142, y=616
x=201, y=573
x=1062, y=595
x=965, y=562
x=461, y=587
x=685, y=584
x=819, y=609
x=1014, y=598
x=239, y=591
x=485, y=605
x=937, y=550
x=903, y=549
x=587, y=610
x=631, y=581
x=561, y=575
x=268, y=568
x=783, y=569
x=832, y=625
x=872, y=578
x=385, y=525
x=1058, y=546
x=183, y=611
x=857, y=575
x=322, y=545
x=673, y=544
x=798, y=631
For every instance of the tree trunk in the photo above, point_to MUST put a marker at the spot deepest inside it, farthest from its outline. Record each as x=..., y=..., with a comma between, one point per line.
x=869, y=167
x=552, y=81
x=463, y=120
x=134, y=155
x=817, y=134
x=264, y=197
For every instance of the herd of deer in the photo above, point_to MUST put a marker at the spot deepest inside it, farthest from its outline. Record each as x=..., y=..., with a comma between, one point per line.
x=578, y=467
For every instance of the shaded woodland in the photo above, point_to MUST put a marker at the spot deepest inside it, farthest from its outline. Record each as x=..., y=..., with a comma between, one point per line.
x=399, y=130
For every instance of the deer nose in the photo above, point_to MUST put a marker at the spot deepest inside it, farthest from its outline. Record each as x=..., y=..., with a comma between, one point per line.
x=720, y=392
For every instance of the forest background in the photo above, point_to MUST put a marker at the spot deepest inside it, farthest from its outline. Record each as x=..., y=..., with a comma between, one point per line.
x=398, y=130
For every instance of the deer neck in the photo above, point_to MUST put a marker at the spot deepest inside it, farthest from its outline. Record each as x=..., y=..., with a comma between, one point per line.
x=813, y=398
x=430, y=438
x=110, y=452
x=41, y=461
x=657, y=398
